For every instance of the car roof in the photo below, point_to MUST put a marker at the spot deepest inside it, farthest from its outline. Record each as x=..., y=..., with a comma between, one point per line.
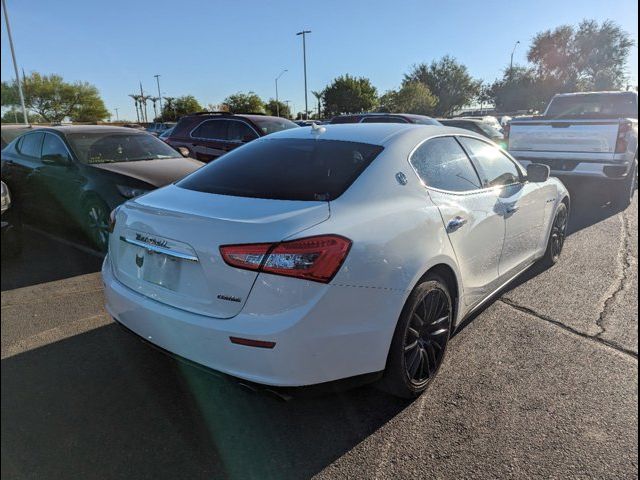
x=66, y=129
x=470, y=120
x=372, y=133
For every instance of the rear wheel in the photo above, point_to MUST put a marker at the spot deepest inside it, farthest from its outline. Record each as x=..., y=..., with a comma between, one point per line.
x=96, y=223
x=623, y=194
x=420, y=339
x=556, y=237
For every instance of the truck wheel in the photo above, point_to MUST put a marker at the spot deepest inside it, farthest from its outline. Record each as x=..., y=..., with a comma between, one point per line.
x=623, y=193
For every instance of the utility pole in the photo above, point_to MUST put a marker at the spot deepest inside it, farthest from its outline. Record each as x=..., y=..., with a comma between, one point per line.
x=304, y=57
x=511, y=62
x=278, y=103
x=117, y=118
x=15, y=63
x=159, y=95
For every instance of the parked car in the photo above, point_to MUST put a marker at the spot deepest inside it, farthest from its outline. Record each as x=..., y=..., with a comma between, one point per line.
x=159, y=127
x=11, y=224
x=477, y=126
x=209, y=135
x=75, y=175
x=586, y=135
x=490, y=119
x=346, y=251
x=384, y=118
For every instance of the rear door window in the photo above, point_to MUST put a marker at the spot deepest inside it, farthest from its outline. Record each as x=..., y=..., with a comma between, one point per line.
x=212, y=130
x=52, y=145
x=31, y=144
x=285, y=169
x=441, y=163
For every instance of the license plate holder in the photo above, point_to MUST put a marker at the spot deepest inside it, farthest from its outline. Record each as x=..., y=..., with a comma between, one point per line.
x=159, y=269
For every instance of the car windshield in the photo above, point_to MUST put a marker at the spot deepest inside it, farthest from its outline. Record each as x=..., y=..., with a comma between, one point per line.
x=118, y=147
x=273, y=125
x=594, y=105
x=285, y=169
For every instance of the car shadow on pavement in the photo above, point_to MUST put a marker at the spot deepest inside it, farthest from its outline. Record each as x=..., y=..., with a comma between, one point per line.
x=45, y=258
x=104, y=405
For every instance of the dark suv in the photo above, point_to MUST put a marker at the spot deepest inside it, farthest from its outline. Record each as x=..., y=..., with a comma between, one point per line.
x=208, y=135
x=385, y=118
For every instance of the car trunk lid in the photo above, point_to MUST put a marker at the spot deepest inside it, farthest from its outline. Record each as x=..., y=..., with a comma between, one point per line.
x=165, y=245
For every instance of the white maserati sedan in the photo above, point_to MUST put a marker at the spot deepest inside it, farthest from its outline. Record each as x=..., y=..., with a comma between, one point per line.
x=331, y=252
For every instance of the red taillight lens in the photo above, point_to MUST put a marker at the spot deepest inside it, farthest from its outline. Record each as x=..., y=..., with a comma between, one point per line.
x=623, y=131
x=313, y=258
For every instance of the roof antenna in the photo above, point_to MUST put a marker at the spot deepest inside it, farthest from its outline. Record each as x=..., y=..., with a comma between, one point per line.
x=317, y=129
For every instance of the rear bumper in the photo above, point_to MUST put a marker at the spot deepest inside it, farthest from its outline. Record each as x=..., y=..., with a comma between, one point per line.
x=596, y=166
x=343, y=332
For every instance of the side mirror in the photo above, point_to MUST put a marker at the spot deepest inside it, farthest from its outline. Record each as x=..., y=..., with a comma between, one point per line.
x=55, y=159
x=538, y=173
x=184, y=151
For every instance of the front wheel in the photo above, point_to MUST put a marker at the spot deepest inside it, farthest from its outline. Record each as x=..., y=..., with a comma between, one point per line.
x=420, y=339
x=96, y=223
x=557, y=237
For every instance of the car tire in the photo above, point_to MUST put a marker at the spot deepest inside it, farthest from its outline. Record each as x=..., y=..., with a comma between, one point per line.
x=623, y=193
x=557, y=237
x=95, y=223
x=420, y=339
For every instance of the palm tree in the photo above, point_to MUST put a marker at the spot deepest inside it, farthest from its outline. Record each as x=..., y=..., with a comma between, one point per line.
x=136, y=99
x=169, y=106
x=319, y=95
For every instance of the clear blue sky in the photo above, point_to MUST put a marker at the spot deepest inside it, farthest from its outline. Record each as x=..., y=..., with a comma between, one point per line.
x=214, y=48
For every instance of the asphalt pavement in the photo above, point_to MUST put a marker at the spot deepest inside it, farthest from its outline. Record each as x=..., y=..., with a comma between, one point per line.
x=541, y=384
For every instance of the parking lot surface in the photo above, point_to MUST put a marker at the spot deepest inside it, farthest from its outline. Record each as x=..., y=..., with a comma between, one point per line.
x=541, y=384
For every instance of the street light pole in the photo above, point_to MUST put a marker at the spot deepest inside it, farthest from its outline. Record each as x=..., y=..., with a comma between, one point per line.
x=15, y=63
x=304, y=56
x=117, y=118
x=511, y=62
x=278, y=103
x=159, y=95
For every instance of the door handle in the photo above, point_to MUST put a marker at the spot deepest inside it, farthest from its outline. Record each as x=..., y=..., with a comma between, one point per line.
x=455, y=223
x=512, y=209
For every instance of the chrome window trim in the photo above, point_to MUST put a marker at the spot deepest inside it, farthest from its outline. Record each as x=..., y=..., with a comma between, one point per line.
x=221, y=139
x=467, y=192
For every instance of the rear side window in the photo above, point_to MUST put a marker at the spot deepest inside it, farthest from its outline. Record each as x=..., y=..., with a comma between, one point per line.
x=285, y=169
x=497, y=168
x=241, y=132
x=441, y=163
x=211, y=130
x=52, y=145
x=30, y=145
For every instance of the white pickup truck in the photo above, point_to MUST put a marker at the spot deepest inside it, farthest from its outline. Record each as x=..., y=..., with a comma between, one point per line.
x=592, y=135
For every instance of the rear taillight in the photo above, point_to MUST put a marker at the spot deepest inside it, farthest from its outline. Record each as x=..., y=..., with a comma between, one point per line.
x=623, y=132
x=313, y=258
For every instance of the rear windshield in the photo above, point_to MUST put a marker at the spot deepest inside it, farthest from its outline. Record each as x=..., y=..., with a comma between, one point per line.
x=594, y=105
x=272, y=125
x=110, y=147
x=285, y=169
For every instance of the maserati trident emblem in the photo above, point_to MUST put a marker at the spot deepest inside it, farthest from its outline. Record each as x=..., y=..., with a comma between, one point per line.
x=139, y=260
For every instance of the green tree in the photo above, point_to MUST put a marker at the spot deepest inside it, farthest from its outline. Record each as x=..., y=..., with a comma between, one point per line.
x=174, y=108
x=412, y=97
x=274, y=108
x=14, y=115
x=592, y=56
x=245, y=103
x=55, y=100
x=448, y=80
x=521, y=88
x=347, y=94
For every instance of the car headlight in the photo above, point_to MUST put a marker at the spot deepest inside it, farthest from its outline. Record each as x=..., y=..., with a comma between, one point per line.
x=131, y=192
